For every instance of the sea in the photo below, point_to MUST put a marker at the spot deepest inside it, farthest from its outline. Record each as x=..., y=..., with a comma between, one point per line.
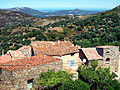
x=53, y=10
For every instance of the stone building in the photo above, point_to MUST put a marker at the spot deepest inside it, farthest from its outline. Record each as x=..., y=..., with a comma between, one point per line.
x=89, y=54
x=22, y=52
x=26, y=50
x=23, y=73
x=110, y=56
x=107, y=56
x=64, y=50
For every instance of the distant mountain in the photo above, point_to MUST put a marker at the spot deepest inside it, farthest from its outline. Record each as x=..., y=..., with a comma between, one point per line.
x=8, y=17
x=26, y=10
x=56, y=13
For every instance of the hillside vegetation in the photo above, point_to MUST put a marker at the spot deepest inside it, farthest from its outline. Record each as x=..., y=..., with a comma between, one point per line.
x=10, y=18
x=103, y=29
x=86, y=31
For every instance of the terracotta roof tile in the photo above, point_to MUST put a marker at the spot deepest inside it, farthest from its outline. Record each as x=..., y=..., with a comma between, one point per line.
x=25, y=63
x=24, y=47
x=53, y=48
x=105, y=46
x=5, y=58
x=91, y=53
x=16, y=54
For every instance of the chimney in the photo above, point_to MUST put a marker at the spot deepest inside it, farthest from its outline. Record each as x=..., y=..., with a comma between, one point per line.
x=58, y=42
x=7, y=52
x=2, y=52
x=28, y=55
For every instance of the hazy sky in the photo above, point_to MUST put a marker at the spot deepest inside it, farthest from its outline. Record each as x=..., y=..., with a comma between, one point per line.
x=101, y=4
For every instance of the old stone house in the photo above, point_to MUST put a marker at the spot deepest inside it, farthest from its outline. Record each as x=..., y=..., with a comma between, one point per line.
x=64, y=50
x=21, y=68
x=22, y=52
x=26, y=50
x=23, y=73
x=107, y=56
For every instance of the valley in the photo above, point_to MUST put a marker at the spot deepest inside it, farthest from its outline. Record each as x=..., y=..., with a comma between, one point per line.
x=86, y=31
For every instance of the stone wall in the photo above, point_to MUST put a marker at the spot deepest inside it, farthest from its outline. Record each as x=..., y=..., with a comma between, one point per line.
x=67, y=59
x=27, y=52
x=18, y=79
x=5, y=79
x=110, y=58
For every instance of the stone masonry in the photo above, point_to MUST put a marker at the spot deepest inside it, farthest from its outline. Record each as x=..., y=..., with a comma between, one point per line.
x=110, y=56
x=18, y=79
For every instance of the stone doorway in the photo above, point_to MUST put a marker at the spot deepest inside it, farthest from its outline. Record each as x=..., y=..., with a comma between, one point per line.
x=30, y=83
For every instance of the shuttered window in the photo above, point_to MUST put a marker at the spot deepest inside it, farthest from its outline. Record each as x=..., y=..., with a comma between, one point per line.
x=72, y=63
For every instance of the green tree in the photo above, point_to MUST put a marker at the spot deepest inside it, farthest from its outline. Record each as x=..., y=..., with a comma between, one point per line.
x=94, y=64
x=52, y=78
x=61, y=38
x=53, y=36
x=65, y=32
x=74, y=85
x=98, y=79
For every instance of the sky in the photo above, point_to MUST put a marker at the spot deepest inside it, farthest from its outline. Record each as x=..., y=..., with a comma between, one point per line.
x=48, y=4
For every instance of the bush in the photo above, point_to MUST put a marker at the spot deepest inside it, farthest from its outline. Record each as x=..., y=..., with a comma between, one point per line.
x=98, y=79
x=75, y=85
x=52, y=78
x=94, y=64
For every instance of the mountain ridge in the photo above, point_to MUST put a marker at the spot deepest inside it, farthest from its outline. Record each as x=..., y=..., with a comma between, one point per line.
x=55, y=13
x=8, y=17
x=93, y=30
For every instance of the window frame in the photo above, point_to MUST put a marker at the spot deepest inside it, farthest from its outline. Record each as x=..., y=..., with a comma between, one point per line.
x=72, y=63
x=108, y=61
x=72, y=54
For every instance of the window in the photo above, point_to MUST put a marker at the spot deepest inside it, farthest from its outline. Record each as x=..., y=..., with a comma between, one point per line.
x=84, y=60
x=72, y=63
x=107, y=52
x=72, y=54
x=107, y=60
x=30, y=83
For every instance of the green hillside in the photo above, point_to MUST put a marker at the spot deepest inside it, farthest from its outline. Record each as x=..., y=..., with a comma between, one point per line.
x=102, y=29
x=86, y=31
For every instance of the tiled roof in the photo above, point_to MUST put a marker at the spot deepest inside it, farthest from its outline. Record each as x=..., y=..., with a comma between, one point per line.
x=5, y=58
x=53, y=48
x=26, y=50
x=16, y=54
x=26, y=63
x=24, y=47
x=105, y=46
x=91, y=53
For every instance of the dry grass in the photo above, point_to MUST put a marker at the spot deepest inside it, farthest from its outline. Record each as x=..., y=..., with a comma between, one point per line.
x=59, y=29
